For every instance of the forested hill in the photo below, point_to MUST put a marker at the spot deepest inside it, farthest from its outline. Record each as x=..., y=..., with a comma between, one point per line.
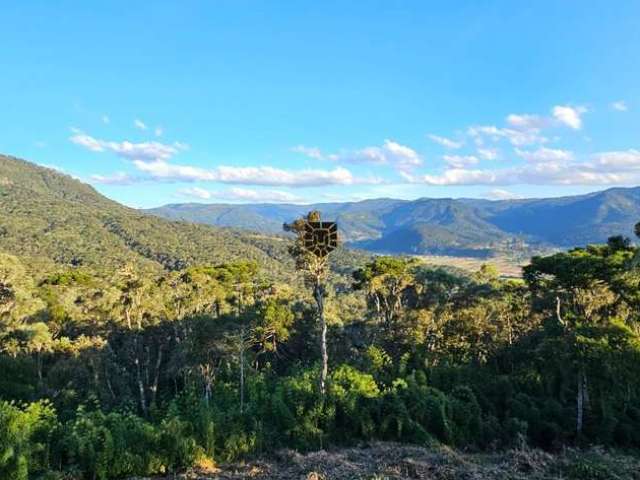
x=50, y=216
x=445, y=226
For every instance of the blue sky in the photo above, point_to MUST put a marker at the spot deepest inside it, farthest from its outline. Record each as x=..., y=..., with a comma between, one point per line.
x=235, y=101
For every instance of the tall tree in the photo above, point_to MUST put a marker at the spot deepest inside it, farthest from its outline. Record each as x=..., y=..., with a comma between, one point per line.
x=314, y=268
x=385, y=280
x=574, y=289
x=133, y=290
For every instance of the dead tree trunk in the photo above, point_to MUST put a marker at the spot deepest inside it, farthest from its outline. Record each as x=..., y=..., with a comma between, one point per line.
x=318, y=293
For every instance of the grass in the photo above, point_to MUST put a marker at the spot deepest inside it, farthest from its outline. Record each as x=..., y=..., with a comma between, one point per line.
x=508, y=267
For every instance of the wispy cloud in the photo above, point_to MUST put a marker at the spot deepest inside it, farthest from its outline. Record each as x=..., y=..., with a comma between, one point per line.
x=106, y=120
x=311, y=152
x=445, y=142
x=620, y=106
x=390, y=152
x=524, y=138
x=118, y=178
x=517, y=137
x=527, y=121
x=605, y=168
x=544, y=154
x=264, y=176
x=488, y=153
x=524, y=129
x=241, y=194
x=128, y=150
x=500, y=194
x=152, y=160
x=139, y=124
x=460, y=161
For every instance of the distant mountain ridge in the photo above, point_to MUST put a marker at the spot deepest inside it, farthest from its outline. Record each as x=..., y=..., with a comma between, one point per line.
x=468, y=227
x=48, y=215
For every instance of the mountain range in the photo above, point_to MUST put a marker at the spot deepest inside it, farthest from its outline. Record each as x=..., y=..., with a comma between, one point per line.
x=459, y=227
x=47, y=215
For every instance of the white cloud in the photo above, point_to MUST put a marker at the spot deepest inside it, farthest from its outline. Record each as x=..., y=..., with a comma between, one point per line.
x=523, y=129
x=514, y=136
x=196, y=192
x=152, y=159
x=620, y=106
x=266, y=176
x=445, y=142
x=499, y=194
x=118, y=178
x=460, y=161
x=241, y=194
x=455, y=176
x=401, y=154
x=390, y=153
x=620, y=160
x=527, y=122
x=311, y=152
x=544, y=154
x=88, y=142
x=160, y=169
x=569, y=116
x=139, y=124
x=526, y=129
x=488, y=153
x=129, y=150
x=106, y=120
x=606, y=168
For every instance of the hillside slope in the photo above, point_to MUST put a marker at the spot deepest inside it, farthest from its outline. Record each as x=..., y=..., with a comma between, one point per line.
x=571, y=221
x=47, y=215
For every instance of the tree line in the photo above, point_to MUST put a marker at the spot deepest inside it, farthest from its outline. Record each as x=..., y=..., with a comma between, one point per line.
x=139, y=373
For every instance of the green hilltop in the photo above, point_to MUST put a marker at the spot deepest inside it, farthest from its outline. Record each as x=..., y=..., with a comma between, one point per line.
x=48, y=216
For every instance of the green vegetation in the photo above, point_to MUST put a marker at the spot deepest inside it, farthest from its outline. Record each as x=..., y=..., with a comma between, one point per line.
x=135, y=363
x=149, y=374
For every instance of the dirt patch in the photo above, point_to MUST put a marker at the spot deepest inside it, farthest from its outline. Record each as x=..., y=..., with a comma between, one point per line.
x=390, y=461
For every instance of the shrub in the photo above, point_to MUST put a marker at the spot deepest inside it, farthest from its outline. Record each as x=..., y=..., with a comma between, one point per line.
x=298, y=412
x=354, y=394
x=25, y=438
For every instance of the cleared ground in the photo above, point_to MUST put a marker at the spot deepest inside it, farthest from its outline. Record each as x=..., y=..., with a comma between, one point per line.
x=507, y=267
x=379, y=461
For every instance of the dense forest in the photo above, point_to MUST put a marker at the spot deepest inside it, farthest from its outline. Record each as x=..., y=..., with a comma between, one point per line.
x=106, y=376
